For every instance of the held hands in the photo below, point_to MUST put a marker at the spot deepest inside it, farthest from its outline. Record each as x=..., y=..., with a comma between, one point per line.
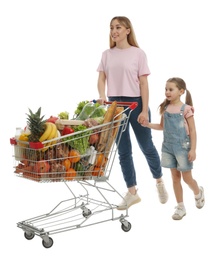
x=143, y=119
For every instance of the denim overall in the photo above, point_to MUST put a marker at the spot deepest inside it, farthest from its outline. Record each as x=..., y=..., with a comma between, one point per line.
x=176, y=143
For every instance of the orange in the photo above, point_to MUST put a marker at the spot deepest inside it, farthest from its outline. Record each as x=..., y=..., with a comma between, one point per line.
x=70, y=174
x=100, y=160
x=66, y=163
x=97, y=171
x=74, y=156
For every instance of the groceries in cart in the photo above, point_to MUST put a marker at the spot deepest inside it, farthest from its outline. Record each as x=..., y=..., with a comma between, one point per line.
x=63, y=149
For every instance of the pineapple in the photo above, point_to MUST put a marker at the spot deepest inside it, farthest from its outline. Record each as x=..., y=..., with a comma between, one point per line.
x=36, y=125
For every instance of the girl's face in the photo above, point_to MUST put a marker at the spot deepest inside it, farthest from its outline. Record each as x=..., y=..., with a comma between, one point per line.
x=118, y=32
x=172, y=92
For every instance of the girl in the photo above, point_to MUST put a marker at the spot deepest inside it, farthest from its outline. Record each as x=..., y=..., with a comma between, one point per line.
x=123, y=68
x=179, y=143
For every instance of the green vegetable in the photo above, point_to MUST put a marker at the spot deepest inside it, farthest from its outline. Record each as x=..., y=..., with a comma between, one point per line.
x=64, y=115
x=87, y=110
x=99, y=111
x=81, y=105
x=80, y=141
x=79, y=168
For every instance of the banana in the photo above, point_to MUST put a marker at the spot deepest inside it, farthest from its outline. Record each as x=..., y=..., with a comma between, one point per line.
x=54, y=135
x=50, y=133
x=46, y=133
x=53, y=131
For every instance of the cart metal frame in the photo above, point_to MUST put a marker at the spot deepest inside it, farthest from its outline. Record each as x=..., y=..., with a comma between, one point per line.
x=79, y=211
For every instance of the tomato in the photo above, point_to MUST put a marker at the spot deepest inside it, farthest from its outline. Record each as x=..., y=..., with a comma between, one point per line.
x=67, y=130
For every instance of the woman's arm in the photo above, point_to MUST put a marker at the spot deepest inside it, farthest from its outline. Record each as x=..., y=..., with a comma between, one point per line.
x=102, y=85
x=144, y=90
x=193, y=138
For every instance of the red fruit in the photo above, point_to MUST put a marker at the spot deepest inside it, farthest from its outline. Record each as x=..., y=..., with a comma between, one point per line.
x=93, y=138
x=41, y=167
x=52, y=119
x=67, y=130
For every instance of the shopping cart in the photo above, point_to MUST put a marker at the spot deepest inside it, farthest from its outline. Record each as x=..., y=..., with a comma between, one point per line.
x=89, y=170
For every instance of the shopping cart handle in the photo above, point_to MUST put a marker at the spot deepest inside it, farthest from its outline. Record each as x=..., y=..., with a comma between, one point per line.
x=131, y=105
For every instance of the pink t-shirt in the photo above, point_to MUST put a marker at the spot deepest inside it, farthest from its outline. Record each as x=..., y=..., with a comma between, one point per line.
x=188, y=111
x=122, y=68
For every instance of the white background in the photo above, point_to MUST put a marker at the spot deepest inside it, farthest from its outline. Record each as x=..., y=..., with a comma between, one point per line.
x=49, y=53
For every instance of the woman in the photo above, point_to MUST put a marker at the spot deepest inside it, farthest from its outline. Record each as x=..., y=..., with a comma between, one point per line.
x=123, y=68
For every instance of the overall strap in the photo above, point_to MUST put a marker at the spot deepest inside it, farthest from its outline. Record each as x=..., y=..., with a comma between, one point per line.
x=182, y=108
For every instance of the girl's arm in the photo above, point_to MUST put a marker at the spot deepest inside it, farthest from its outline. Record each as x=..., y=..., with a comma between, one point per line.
x=154, y=126
x=101, y=85
x=193, y=138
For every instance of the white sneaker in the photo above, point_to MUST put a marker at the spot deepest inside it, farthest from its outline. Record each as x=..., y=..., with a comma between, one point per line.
x=201, y=201
x=180, y=212
x=162, y=193
x=128, y=200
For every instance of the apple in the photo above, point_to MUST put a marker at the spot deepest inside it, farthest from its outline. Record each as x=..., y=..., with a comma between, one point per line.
x=93, y=139
x=52, y=119
x=41, y=166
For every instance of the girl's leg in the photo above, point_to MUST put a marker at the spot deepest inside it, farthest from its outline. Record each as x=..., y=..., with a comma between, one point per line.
x=198, y=191
x=188, y=179
x=177, y=187
x=180, y=210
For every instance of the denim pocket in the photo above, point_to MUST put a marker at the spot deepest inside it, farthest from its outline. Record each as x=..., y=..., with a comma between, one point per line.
x=186, y=145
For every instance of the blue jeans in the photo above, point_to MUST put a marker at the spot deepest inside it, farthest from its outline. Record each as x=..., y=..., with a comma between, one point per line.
x=144, y=138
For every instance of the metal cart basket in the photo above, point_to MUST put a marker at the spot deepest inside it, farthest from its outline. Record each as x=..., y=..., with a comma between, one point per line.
x=58, y=160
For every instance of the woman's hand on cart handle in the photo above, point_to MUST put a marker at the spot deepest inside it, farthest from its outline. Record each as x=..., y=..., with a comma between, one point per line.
x=101, y=101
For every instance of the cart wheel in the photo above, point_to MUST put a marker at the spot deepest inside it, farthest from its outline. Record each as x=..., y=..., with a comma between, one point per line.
x=47, y=244
x=86, y=213
x=29, y=235
x=126, y=228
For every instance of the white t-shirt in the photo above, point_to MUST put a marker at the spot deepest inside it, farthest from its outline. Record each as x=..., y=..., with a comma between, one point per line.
x=122, y=68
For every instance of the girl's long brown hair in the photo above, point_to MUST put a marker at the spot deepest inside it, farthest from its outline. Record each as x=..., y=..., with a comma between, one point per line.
x=131, y=38
x=180, y=83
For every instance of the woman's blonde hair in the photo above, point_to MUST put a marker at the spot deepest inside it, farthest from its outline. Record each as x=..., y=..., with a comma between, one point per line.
x=131, y=38
x=180, y=84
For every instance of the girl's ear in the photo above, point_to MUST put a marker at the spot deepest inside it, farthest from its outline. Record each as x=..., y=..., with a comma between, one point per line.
x=182, y=91
x=128, y=31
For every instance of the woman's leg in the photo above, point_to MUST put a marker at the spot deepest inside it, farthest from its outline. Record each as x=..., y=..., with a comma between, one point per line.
x=144, y=139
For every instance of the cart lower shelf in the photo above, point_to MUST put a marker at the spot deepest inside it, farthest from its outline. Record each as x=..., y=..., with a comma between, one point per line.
x=76, y=212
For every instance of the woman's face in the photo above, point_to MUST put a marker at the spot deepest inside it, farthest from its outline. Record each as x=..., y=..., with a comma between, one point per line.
x=118, y=32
